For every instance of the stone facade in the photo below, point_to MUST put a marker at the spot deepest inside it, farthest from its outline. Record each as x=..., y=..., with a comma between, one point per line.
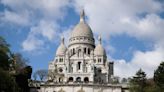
x=81, y=61
x=82, y=88
x=80, y=67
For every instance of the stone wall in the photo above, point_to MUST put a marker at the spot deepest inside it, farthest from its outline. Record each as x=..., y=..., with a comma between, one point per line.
x=80, y=88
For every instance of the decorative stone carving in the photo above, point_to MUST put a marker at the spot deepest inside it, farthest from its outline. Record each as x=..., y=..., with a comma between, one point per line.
x=81, y=90
x=61, y=90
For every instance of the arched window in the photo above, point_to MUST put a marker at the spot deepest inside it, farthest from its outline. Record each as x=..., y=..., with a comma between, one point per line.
x=73, y=51
x=85, y=50
x=99, y=60
x=79, y=65
x=99, y=70
x=86, y=79
x=89, y=51
x=79, y=52
x=70, y=79
x=61, y=60
x=78, y=79
x=60, y=79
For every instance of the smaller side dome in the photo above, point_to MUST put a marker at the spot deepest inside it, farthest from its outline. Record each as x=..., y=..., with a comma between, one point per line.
x=99, y=50
x=62, y=48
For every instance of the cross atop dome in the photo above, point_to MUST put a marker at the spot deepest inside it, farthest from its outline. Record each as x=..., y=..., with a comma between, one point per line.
x=99, y=38
x=82, y=15
x=62, y=39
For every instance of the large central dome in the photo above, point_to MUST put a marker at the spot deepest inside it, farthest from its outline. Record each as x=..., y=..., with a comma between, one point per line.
x=82, y=29
x=82, y=33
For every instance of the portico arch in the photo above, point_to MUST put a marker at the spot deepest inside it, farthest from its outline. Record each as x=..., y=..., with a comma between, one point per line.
x=78, y=79
x=86, y=79
x=70, y=79
x=60, y=79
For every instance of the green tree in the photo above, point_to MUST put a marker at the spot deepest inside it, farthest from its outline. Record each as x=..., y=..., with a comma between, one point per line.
x=150, y=86
x=116, y=80
x=22, y=78
x=138, y=82
x=14, y=72
x=7, y=82
x=19, y=62
x=159, y=76
x=4, y=54
x=124, y=80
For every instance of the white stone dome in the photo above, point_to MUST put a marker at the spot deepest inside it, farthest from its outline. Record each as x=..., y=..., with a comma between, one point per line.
x=82, y=33
x=99, y=50
x=61, y=49
x=82, y=30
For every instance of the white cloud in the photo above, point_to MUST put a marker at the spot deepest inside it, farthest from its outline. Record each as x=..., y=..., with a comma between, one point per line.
x=40, y=15
x=45, y=31
x=150, y=27
x=15, y=18
x=51, y=9
x=148, y=61
x=31, y=44
x=123, y=68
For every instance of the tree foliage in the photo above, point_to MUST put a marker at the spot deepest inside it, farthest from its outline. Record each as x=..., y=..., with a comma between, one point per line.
x=159, y=76
x=124, y=80
x=22, y=78
x=138, y=82
x=42, y=74
x=4, y=54
x=14, y=71
x=7, y=82
x=19, y=61
x=115, y=80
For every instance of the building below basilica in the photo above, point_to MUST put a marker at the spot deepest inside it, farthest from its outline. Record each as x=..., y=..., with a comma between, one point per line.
x=82, y=66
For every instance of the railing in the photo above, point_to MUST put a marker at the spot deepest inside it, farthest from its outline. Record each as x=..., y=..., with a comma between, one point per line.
x=39, y=84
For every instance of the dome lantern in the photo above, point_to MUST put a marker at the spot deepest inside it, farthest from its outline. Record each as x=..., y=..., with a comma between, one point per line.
x=62, y=40
x=99, y=38
x=82, y=15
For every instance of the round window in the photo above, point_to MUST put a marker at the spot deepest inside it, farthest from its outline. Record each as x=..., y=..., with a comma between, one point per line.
x=60, y=70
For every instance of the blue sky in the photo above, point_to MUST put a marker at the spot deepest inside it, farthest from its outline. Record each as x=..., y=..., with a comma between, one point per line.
x=132, y=31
